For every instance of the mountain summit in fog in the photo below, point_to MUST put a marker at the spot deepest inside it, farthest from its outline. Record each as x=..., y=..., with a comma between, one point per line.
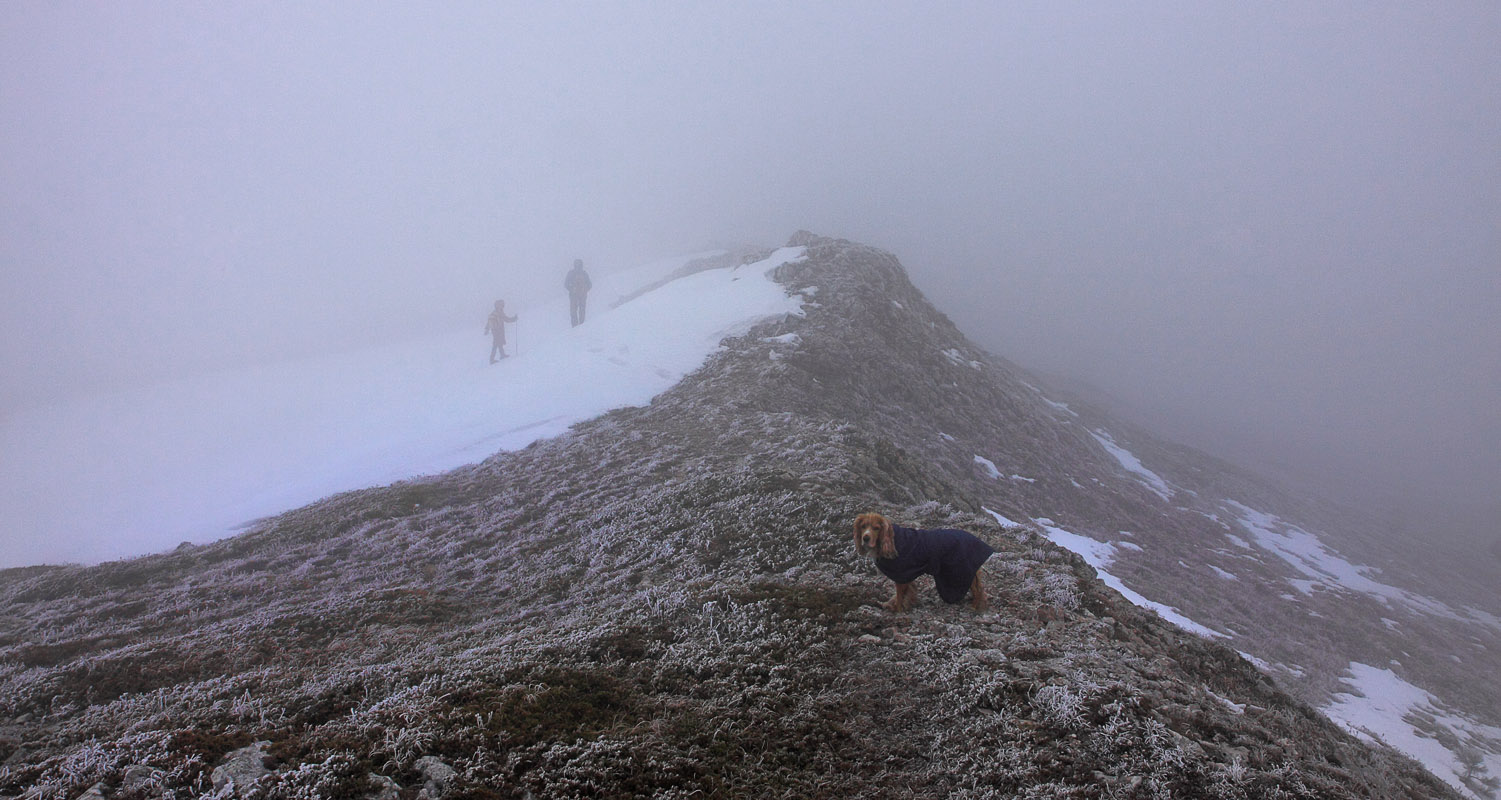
x=663, y=601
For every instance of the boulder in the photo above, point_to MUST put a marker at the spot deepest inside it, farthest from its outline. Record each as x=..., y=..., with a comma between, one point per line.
x=385, y=788
x=241, y=768
x=439, y=776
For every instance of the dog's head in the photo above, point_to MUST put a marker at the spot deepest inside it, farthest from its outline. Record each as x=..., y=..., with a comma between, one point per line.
x=874, y=536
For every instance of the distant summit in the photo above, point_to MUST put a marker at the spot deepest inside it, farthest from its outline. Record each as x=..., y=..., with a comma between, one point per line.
x=663, y=601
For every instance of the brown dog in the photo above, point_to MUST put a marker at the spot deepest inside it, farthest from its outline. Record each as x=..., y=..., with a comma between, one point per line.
x=953, y=557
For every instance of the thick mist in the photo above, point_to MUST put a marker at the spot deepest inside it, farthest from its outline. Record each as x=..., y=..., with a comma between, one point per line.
x=1271, y=232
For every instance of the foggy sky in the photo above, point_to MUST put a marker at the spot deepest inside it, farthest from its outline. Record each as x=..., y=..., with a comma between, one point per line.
x=1269, y=231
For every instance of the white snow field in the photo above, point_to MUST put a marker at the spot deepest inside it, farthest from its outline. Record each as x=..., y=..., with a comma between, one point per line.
x=113, y=476
x=1380, y=706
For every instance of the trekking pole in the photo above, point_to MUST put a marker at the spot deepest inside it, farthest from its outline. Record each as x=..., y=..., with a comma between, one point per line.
x=518, y=337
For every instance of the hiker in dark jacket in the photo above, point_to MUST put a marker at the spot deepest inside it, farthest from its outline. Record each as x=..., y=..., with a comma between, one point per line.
x=578, y=285
x=496, y=327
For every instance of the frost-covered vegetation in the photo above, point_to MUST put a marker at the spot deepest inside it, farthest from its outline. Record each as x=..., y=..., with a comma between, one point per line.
x=664, y=602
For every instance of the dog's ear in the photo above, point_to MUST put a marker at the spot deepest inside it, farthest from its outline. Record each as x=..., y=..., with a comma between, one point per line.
x=888, y=539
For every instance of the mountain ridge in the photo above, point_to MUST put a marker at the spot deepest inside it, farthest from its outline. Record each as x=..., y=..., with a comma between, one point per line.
x=646, y=603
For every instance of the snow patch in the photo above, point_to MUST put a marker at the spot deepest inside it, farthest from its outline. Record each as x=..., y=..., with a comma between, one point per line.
x=1002, y=520
x=1260, y=663
x=1483, y=616
x=1235, y=708
x=989, y=467
x=1324, y=567
x=958, y=359
x=1060, y=406
x=1381, y=706
x=1306, y=587
x=1229, y=576
x=1099, y=555
x=1132, y=464
x=1023, y=478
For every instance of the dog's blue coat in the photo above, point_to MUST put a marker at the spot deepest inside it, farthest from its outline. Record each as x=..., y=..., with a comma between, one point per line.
x=951, y=556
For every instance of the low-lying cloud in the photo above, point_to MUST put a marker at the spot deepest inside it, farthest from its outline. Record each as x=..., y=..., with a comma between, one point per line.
x=1268, y=231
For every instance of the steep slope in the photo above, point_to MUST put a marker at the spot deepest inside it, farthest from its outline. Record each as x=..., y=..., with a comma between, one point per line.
x=1307, y=589
x=663, y=602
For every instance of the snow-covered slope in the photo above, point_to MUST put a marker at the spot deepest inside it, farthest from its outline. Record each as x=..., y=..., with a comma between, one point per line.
x=115, y=476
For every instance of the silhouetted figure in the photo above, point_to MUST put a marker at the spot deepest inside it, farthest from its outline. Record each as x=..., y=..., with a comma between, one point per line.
x=578, y=285
x=496, y=327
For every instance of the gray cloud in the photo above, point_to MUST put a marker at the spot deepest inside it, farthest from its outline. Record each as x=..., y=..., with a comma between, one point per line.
x=1273, y=231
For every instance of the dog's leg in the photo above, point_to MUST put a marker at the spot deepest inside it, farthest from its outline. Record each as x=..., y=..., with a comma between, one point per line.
x=895, y=603
x=899, y=601
x=909, y=596
x=977, y=592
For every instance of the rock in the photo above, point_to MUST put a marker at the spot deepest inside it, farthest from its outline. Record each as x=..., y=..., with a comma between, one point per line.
x=1048, y=614
x=870, y=638
x=802, y=239
x=439, y=776
x=241, y=768
x=95, y=792
x=139, y=778
x=983, y=657
x=385, y=788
